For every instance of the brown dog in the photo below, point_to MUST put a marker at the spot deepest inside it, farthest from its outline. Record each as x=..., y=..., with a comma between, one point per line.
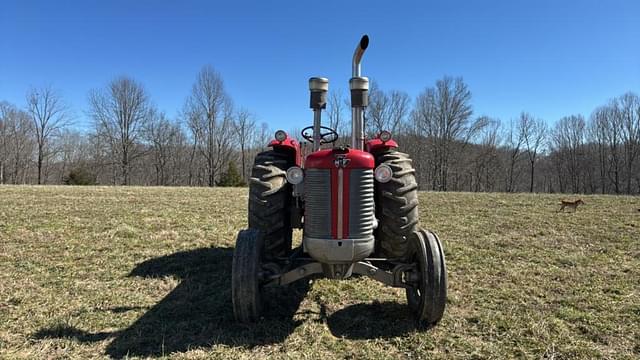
x=570, y=204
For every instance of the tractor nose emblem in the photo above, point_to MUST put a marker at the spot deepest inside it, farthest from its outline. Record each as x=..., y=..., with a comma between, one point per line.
x=341, y=161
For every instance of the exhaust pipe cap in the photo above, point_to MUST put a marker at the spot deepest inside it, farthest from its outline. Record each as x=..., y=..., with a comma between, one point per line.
x=364, y=42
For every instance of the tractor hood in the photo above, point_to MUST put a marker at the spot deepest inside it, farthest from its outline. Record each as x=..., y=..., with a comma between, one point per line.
x=342, y=157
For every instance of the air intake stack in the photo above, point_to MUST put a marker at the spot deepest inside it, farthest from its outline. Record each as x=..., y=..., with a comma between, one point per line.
x=318, y=87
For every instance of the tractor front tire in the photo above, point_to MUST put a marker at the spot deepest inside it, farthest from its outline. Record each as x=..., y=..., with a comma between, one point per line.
x=246, y=284
x=270, y=201
x=396, y=205
x=427, y=297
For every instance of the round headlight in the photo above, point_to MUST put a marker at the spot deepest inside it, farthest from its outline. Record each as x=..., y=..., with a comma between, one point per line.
x=295, y=175
x=383, y=173
x=385, y=136
x=281, y=135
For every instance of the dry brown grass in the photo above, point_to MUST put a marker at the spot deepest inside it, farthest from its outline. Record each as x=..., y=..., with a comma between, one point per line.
x=145, y=272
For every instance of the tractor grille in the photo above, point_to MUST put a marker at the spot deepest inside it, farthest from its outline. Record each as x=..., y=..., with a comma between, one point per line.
x=361, y=208
x=318, y=219
x=317, y=207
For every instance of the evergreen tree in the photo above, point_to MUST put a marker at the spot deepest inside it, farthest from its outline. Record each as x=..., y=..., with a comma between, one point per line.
x=231, y=177
x=80, y=176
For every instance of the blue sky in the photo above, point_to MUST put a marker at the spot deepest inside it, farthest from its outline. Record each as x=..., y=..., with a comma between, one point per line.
x=550, y=58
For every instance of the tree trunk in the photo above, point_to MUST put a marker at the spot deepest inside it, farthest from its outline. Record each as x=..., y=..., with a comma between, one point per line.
x=244, y=169
x=510, y=183
x=603, y=171
x=533, y=167
x=39, y=165
x=629, y=174
x=125, y=168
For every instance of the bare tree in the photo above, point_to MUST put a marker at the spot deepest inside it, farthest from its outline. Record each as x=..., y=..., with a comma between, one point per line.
x=21, y=130
x=484, y=156
x=73, y=152
x=336, y=107
x=615, y=142
x=296, y=133
x=192, y=124
x=119, y=113
x=398, y=110
x=628, y=109
x=568, y=141
x=424, y=134
x=443, y=114
x=513, y=143
x=174, y=154
x=5, y=110
x=533, y=133
x=16, y=144
x=245, y=128
x=386, y=111
x=209, y=112
x=377, y=111
x=224, y=140
x=49, y=115
x=414, y=142
x=264, y=135
x=598, y=130
x=164, y=136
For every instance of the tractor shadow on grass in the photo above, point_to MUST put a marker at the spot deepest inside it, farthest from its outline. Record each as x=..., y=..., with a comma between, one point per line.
x=197, y=313
x=371, y=321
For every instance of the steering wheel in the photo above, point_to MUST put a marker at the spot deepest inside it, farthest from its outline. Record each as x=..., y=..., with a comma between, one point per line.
x=325, y=137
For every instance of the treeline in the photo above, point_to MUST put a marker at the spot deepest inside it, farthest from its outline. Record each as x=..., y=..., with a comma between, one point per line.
x=213, y=141
x=454, y=151
x=131, y=142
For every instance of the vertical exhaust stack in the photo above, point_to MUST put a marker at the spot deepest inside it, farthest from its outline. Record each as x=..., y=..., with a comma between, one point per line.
x=359, y=86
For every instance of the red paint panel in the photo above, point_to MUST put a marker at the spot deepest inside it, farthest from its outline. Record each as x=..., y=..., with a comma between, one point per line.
x=346, y=176
x=334, y=203
x=376, y=144
x=322, y=159
x=325, y=159
x=291, y=145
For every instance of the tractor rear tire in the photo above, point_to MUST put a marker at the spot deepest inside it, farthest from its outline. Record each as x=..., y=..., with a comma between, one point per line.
x=245, y=279
x=396, y=205
x=428, y=297
x=270, y=202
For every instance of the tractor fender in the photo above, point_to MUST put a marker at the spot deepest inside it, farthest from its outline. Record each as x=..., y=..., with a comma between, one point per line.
x=376, y=145
x=288, y=145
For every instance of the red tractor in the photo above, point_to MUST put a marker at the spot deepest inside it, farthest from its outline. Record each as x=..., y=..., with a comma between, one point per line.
x=357, y=206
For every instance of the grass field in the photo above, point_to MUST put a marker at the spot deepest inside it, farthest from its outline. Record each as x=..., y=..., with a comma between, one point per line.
x=145, y=272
